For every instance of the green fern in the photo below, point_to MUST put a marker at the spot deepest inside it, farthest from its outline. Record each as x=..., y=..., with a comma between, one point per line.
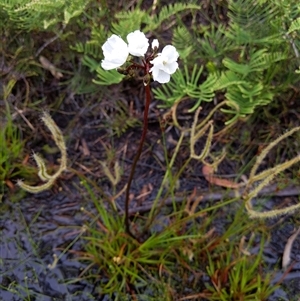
x=129, y=21
x=236, y=99
x=122, y=121
x=226, y=79
x=259, y=61
x=40, y=14
x=167, y=13
x=106, y=78
x=183, y=40
x=295, y=26
x=250, y=60
x=250, y=23
x=244, y=83
x=90, y=48
x=207, y=43
x=183, y=84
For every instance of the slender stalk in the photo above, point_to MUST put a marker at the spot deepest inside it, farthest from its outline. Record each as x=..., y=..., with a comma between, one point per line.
x=137, y=156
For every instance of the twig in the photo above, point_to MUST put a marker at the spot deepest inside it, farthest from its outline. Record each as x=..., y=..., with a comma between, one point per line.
x=51, y=40
x=271, y=190
x=286, y=258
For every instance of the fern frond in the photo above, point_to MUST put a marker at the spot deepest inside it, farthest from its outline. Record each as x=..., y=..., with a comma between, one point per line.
x=122, y=121
x=41, y=14
x=168, y=12
x=215, y=44
x=262, y=60
x=206, y=92
x=249, y=23
x=184, y=83
x=129, y=21
x=247, y=97
x=183, y=41
x=258, y=61
x=243, y=69
x=226, y=79
x=295, y=26
x=90, y=48
x=107, y=77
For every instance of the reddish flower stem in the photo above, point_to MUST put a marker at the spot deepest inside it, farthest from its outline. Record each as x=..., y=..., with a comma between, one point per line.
x=137, y=156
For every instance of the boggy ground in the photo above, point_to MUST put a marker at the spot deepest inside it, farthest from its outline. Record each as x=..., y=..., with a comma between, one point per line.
x=38, y=226
x=106, y=126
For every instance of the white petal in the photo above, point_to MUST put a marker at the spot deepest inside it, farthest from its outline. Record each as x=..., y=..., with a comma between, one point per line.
x=158, y=61
x=115, y=52
x=114, y=43
x=109, y=65
x=137, y=43
x=170, y=52
x=155, y=71
x=162, y=77
x=171, y=68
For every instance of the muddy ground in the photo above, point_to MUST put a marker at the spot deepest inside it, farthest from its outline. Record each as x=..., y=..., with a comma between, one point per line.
x=38, y=226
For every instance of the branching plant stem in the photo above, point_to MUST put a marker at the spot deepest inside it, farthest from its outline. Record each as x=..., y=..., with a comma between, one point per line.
x=139, y=151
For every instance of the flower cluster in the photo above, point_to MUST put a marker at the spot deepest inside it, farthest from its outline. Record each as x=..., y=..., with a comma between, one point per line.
x=160, y=65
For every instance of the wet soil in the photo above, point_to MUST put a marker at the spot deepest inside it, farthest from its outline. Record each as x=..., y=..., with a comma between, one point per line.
x=39, y=226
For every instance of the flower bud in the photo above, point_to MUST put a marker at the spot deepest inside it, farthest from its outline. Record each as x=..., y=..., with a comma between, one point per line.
x=154, y=45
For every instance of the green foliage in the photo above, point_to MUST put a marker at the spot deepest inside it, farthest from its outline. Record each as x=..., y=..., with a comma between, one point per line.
x=122, y=121
x=123, y=261
x=104, y=77
x=10, y=150
x=295, y=26
x=92, y=48
x=184, y=85
x=39, y=14
x=250, y=24
x=236, y=274
x=128, y=21
x=11, y=153
x=167, y=12
x=247, y=85
x=250, y=61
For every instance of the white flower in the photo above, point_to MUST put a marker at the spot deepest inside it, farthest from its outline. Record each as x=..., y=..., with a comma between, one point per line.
x=137, y=43
x=164, y=64
x=115, y=52
x=154, y=44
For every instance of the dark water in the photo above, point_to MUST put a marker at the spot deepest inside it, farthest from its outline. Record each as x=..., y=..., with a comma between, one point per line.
x=31, y=232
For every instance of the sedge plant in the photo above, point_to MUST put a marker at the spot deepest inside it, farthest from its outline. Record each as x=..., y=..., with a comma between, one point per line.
x=11, y=148
x=235, y=270
x=11, y=153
